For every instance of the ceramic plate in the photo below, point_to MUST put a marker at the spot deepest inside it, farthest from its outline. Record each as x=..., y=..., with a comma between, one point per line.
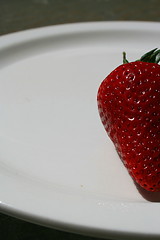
x=58, y=167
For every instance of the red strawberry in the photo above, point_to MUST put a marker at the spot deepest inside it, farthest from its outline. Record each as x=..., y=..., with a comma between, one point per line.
x=129, y=107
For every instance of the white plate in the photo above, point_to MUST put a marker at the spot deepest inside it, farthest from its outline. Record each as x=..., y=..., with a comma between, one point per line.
x=58, y=168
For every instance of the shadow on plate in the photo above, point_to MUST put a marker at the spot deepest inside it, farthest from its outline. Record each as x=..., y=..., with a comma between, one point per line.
x=149, y=196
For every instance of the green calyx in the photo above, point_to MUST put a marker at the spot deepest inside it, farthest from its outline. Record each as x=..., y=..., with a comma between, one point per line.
x=152, y=56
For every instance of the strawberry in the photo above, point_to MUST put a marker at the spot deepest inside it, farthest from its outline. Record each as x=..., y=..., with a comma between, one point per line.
x=129, y=107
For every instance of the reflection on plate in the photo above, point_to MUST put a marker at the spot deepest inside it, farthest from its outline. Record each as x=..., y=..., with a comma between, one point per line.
x=58, y=168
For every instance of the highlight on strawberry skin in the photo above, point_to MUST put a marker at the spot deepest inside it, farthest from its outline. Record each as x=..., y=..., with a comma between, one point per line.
x=129, y=107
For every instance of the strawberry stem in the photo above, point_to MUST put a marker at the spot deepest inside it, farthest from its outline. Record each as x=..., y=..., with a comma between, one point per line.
x=152, y=56
x=124, y=58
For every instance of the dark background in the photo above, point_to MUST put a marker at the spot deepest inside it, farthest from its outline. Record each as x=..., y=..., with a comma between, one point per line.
x=17, y=15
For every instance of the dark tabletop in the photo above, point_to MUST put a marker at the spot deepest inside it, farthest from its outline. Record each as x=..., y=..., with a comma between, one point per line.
x=17, y=15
